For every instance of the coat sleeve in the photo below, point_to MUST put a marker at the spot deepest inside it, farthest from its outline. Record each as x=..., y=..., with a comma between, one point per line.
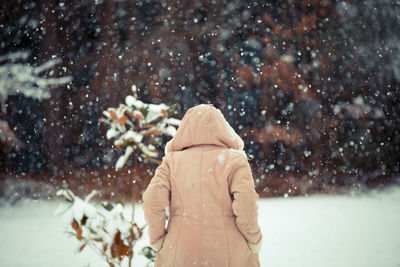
x=244, y=205
x=155, y=199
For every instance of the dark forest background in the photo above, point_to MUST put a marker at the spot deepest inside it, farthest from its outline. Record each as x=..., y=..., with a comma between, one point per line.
x=312, y=86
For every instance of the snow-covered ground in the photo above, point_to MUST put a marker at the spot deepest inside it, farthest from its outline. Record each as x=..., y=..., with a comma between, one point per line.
x=320, y=231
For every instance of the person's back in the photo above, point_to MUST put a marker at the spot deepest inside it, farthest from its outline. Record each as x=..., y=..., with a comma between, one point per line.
x=206, y=181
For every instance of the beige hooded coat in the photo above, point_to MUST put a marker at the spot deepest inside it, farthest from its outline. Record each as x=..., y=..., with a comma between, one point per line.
x=206, y=181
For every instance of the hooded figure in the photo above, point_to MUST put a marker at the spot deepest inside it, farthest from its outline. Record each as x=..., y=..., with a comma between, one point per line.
x=206, y=181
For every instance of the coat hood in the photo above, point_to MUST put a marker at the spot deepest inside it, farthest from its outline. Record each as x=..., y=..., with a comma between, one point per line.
x=204, y=125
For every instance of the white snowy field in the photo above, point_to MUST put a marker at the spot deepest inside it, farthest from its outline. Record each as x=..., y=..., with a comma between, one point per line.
x=320, y=231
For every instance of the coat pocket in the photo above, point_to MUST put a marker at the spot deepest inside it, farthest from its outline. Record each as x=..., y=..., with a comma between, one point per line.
x=169, y=245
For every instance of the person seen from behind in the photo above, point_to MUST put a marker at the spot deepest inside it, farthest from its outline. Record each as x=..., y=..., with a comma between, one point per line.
x=206, y=181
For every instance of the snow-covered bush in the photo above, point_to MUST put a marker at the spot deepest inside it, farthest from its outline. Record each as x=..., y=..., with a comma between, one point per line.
x=106, y=229
x=134, y=125
x=137, y=125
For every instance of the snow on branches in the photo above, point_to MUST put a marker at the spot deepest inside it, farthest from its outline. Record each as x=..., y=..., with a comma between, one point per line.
x=135, y=125
x=105, y=229
x=18, y=77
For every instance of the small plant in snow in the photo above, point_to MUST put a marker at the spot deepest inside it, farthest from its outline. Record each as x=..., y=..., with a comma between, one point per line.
x=136, y=125
x=105, y=228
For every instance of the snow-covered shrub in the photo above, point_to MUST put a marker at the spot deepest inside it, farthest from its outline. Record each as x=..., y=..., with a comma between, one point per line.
x=104, y=228
x=136, y=125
